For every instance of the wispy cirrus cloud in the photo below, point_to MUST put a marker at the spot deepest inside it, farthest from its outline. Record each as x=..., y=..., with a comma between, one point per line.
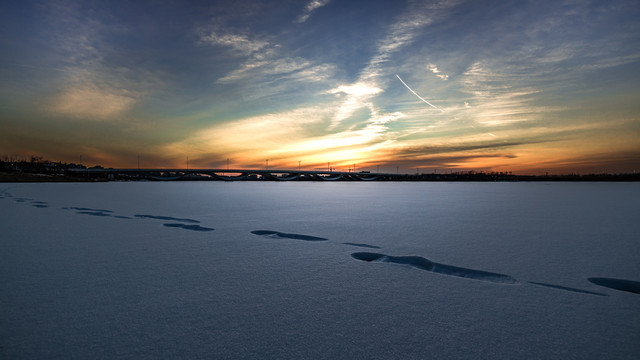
x=400, y=34
x=101, y=93
x=266, y=66
x=266, y=63
x=434, y=69
x=310, y=8
x=76, y=37
x=239, y=42
x=373, y=131
x=94, y=82
x=90, y=102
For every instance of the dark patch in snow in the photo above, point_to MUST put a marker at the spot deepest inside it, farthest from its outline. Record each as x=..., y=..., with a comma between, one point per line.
x=156, y=217
x=276, y=234
x=618, y=284
x=40, y=205
x=39, y=202
x=362, y=245
x=367, y=256
x=87, y=209
x=22, y=200
x=424, y=264
x=92, y=213
x=189, y=227
x=567, y=288
x=122, y=217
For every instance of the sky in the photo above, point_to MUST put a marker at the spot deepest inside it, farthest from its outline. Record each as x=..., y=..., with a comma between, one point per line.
x=411, y=86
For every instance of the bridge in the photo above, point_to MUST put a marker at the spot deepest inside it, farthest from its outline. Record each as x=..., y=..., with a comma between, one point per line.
x=238, y=175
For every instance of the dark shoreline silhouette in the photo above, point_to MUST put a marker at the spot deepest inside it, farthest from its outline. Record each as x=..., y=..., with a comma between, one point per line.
x=41, y=170
x=190, y=175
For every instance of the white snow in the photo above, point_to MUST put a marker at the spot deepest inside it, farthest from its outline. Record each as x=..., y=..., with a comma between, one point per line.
x=92, y=271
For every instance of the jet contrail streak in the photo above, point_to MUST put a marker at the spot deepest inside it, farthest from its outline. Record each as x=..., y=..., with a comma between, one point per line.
x=416, y=94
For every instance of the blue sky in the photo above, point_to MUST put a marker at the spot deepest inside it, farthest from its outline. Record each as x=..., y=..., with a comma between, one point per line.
x=522, y=86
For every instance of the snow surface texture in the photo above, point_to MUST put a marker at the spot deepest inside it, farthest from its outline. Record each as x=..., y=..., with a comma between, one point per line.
x=460, y=270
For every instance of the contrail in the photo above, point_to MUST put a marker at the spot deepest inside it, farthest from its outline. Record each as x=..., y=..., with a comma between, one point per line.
x=416, y=94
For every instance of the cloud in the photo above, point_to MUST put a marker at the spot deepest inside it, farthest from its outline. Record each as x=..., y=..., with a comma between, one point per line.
x=95, y=79
x=404, y=31
x=425, y=151
x=254, y=135
x=290, y=134
x=371, y=133
x=76, y=37
x=434, y=69
x=238, y=42
x=102, y=93
x=310, y=8
x=400, y=34
x=357, y=97
x=357, y=89
x=267, y=69
x=498, y=99
x=91, y=102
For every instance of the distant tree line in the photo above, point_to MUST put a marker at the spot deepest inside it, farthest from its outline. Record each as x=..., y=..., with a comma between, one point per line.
x=35, y=165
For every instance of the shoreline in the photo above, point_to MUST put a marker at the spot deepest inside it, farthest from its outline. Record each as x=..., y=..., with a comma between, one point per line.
x=22, y=177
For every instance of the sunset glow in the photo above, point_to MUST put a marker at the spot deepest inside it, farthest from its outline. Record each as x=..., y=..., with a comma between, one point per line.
x=529, y=87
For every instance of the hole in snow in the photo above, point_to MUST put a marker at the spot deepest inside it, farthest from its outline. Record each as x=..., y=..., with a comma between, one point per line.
x=618, y=284
x=277, y=234
x=424, y=264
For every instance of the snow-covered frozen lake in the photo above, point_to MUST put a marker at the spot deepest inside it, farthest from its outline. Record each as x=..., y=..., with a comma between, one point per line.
x=307, y=270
